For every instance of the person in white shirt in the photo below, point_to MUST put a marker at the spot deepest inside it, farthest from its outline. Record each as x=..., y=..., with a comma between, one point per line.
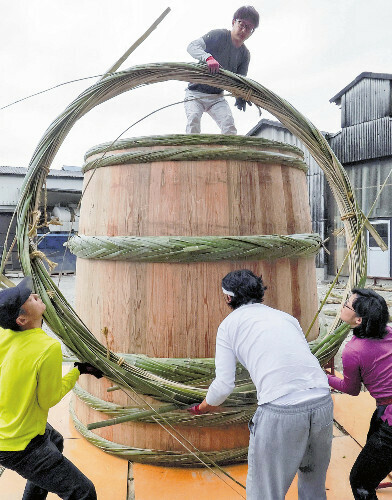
x=291, y=430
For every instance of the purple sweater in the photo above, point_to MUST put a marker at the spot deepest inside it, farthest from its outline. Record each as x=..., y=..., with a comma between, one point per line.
x=368, y=361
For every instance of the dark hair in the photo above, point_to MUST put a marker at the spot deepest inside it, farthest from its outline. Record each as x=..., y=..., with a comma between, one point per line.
x=373, y=310
x=246, y=286
x=249, y=13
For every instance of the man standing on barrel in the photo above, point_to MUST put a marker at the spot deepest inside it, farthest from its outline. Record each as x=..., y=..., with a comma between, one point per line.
x=225, y=49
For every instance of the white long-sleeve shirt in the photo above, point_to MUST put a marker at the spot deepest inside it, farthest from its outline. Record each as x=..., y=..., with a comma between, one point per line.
x=197, y=49
x=270, y=344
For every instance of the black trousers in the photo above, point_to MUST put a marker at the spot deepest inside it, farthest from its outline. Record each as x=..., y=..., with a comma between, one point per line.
x=374, y=462
x=46, y=469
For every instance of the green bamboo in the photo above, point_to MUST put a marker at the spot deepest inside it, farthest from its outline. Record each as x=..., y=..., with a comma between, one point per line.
x=160, y=457
x=138, y=42
x=195, y=154
x=194, y=248
x=172, y=414
x=130, y=417
x=257, y=143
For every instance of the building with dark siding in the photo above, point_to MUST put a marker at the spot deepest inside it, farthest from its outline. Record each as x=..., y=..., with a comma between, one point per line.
x=275, y=131
x=62, y=194
x=364, y=147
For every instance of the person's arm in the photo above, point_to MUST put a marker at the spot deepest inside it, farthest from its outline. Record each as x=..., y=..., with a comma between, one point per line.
x=51, y=385
x=197, y=49
x=224, y=382
x=351, y=382
x=203, y=407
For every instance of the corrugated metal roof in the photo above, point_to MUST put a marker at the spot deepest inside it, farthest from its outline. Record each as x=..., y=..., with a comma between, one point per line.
x=13, y=170
x=52, y=173
x=275, y=131
x=263, y=123
x=365, y=74
x=65, y=173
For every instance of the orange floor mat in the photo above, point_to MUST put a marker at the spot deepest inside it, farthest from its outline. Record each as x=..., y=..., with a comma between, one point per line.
x=109, y=473
x=153, y=482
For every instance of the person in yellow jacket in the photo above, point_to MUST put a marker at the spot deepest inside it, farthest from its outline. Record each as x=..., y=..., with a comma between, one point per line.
x=31, y=382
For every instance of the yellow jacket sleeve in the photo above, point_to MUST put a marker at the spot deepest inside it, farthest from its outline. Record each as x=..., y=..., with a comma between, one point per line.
x=51, y=386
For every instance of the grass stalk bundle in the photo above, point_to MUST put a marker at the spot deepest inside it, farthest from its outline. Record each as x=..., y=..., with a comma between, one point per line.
x=193, y=248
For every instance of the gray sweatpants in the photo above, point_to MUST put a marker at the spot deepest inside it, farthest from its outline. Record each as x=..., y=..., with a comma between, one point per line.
x=196, y=103
x=287, y=439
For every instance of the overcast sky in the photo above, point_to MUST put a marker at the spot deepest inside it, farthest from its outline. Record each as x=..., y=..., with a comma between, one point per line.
x=304, y=50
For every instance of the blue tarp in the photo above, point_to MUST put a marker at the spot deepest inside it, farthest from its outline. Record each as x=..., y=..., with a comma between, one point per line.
x=52, y=247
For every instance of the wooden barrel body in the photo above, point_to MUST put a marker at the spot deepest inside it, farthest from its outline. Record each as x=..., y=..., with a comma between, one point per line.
x=174, y=309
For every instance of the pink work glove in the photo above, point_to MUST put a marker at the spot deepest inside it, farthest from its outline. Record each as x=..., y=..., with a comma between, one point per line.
x=213, y=65
x=194, y=410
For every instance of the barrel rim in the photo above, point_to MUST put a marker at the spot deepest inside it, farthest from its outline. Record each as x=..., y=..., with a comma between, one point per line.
x=195, y=153
x=189, y=140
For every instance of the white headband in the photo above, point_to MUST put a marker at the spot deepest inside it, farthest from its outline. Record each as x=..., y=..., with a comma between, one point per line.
x=227, y=293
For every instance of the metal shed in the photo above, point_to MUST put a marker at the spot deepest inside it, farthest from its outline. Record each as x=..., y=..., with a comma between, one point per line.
x=63, y=188
x=364, y=147
x=274, y=130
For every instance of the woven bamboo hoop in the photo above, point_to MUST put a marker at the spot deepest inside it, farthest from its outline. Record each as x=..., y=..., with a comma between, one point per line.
x=59, y=314
x=193, y=249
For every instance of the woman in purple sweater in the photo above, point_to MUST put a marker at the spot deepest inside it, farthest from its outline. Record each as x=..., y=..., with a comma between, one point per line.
x=367, y=358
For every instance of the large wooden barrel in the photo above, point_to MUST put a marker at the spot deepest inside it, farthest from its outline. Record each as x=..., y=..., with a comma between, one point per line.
x=222, y=186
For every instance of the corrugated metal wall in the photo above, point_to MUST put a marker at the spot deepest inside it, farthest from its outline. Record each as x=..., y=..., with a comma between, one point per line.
x=13, y=259
x=363, y=141
x=368, y=100
x=364, y=147
x=315, y=178
x=367, y=179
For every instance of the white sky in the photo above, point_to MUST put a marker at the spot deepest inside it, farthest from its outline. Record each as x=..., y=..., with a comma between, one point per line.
x=304, y=50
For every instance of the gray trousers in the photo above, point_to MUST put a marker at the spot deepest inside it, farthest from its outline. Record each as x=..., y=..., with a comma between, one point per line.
x=285, y=440
x=197, y=103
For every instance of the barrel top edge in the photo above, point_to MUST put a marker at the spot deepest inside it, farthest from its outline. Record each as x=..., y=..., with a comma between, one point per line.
x=201, y=154
x=188, y=140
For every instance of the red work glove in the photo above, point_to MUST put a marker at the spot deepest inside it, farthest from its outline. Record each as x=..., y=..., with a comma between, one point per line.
x=213, y=65
x=195, y=410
